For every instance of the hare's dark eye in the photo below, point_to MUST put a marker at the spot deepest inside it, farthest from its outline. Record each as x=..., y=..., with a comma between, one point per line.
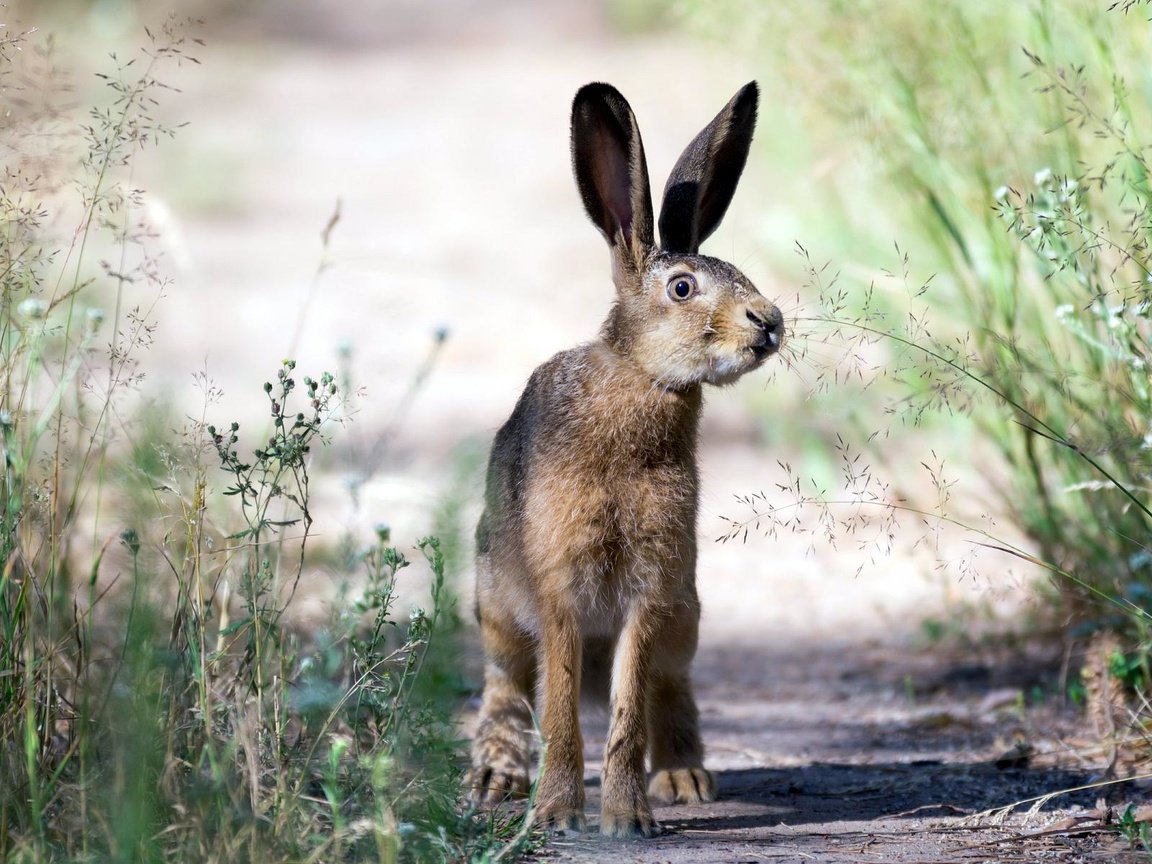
x=681, y=287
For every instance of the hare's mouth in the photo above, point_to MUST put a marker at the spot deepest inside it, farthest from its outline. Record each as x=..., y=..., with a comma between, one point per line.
x=762, y=352
x=769, y=334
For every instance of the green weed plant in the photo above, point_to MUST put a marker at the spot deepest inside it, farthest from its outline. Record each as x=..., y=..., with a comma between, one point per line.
x=156, y=704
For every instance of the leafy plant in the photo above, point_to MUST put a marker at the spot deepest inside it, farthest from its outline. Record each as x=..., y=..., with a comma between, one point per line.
x=156, y=700
x=1137, y=831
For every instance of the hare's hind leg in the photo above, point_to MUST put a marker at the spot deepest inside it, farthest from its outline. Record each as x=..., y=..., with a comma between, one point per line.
x=501, y=749
x=677, y=754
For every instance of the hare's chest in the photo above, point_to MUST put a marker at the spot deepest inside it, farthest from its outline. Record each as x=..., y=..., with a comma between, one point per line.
x=613, y=529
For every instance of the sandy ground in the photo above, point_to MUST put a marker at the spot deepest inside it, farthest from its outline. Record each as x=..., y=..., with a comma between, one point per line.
x=448, y=154
x=861, y=752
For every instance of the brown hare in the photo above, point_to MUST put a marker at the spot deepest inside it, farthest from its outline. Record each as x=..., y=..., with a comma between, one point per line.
x=586, y=551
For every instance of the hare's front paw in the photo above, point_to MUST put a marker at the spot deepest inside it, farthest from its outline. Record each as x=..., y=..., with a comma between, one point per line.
x=629, y=822
x=682, y=786
x=561, y=819
x=491, y=785
x=624, y=809
x=560, y=797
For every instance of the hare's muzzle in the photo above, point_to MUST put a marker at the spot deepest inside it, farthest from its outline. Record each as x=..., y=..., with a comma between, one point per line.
x=770, y=326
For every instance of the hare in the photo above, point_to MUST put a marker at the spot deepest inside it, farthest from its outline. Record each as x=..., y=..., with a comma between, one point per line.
x=586, y=550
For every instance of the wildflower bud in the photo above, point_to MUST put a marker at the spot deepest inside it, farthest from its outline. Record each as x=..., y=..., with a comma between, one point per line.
x=94, y=318
x=32, y=307
x=235, y=426
x=440, y=335
x=267, y=387
x=131, y=539
x=211, y=430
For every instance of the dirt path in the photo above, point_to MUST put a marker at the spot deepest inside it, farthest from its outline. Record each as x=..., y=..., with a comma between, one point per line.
x=852, y=753
x=836, y=734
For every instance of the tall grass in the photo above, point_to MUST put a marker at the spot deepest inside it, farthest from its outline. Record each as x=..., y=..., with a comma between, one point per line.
x=155, y=701
x=1005, y=150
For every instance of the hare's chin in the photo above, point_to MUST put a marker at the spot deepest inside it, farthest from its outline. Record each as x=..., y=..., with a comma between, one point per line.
x=726, y=370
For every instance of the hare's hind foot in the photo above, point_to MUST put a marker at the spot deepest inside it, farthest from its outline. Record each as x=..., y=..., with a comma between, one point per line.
x=682, y=786
x=491, y=786
x=502, y=748
x=500, y=754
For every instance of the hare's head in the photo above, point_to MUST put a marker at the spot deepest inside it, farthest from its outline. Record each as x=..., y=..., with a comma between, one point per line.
x=683, y=317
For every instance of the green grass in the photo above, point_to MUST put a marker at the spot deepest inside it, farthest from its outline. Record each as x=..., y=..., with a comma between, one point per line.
x=156, y=701
x=1003, y=148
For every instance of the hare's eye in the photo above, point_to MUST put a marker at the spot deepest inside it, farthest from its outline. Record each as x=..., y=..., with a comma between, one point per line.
x=681, y=287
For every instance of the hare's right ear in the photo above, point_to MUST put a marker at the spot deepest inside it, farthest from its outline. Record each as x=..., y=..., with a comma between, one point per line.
x=608, y=161
x=703, y=182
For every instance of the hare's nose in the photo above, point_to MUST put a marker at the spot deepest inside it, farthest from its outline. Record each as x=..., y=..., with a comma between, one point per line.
x=771, y=326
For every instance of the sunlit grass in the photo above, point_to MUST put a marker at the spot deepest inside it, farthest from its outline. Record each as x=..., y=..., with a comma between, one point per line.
x=156, y=701
x=1003, y=149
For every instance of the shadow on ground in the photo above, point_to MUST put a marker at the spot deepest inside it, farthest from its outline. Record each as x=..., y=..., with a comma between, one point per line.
x=873, y=752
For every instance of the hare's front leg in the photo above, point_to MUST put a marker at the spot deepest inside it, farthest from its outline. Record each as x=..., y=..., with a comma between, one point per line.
x=560, y=791
x=624, y=810
x=678, y=773
x=500, y=752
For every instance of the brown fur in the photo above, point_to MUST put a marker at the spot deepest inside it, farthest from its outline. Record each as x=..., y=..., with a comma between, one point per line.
x=586, y=551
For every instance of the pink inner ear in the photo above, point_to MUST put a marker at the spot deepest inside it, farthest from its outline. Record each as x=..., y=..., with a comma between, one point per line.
x=613, y=182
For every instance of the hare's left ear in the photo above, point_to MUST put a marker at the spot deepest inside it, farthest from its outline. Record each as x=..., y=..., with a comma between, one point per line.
x=611, y=173
x=704, y=180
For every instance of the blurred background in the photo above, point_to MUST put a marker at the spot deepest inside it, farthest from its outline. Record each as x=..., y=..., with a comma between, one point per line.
x=383, y=190
x=952, y=208
x=438, y=131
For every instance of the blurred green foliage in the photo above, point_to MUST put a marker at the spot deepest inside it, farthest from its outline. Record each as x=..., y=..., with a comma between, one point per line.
x=1003, y=147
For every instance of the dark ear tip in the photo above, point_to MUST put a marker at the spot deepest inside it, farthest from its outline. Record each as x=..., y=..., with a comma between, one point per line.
x=749, y=94
x=596, y=98
x=597, y=91
x=594, y=87
x=743, y=108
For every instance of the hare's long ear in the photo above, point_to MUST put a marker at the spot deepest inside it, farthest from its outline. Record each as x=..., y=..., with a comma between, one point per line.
x=701, y=185
x=608, y=161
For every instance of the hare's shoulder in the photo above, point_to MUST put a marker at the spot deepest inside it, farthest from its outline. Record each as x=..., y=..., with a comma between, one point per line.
x=590, y=398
